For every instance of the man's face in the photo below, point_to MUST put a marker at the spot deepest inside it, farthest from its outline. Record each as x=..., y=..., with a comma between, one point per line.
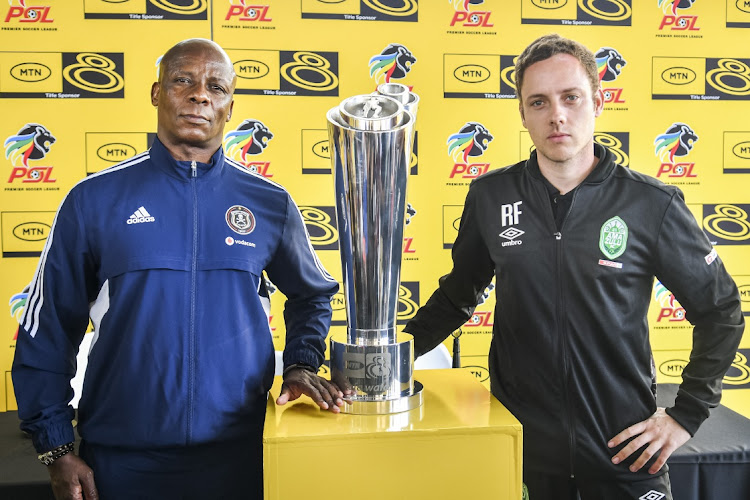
x=194, y=99
x=558, y=110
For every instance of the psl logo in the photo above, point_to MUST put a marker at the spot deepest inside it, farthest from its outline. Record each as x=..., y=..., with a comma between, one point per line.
x=408, y=241
x=245, y=13
x=671, y=310
x=609, y=63
x=472, y=140
x=394, y=62
x=468, y=18
x=28, y=14
x=32, y=142
x=249, y=139
x=678, y=140
x=673, y=20
x=480, y=319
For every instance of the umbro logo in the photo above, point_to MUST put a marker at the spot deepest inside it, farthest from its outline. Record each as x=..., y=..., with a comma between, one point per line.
x=140, y=215
x=511, y=234
x=652, y=495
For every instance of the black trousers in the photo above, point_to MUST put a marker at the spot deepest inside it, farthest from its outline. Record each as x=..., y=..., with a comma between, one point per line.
x=229, y=470
x=550, y=487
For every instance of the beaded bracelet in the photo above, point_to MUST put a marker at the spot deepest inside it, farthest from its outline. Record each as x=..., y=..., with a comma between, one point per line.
x=49, y=457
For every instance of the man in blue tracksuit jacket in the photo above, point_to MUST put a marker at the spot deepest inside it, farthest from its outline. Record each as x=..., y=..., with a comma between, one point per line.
x=165, y=254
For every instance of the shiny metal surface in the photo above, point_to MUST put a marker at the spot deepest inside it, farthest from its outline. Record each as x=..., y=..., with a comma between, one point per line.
x=371, y=142
x=372, y=112
x=376, y=372
x=412, y=106
x=397, y=91
x=370, y=184
x=398, y=405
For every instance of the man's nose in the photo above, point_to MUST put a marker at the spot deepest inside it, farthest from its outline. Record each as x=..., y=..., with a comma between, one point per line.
x=199, y=93
x=557, y=113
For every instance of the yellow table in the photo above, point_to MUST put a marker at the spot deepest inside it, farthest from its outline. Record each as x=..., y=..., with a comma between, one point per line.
x=461, y=443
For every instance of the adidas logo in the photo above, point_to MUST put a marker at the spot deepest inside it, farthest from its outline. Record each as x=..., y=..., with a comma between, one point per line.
x=140, y=215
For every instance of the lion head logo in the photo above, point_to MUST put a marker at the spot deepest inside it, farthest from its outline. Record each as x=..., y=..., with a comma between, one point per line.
x=410, y=212
x=250, y=138
x=486, y=294
x=673, y=5
x=32, y=142
x=394, y=62
x=463, y=5
x=17, y=305
x=663, y=296
x=678, y=140
x=471, y=140
x=609, y=64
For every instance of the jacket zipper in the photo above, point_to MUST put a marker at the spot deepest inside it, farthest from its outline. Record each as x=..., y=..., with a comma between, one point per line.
x=564, y=338
x=191, y=333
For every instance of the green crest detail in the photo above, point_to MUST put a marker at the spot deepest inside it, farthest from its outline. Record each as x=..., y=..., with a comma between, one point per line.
x=613, y=237
x=525, y=493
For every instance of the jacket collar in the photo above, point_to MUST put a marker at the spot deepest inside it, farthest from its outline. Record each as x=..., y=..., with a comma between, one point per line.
x=601, y=172
x=161, y=157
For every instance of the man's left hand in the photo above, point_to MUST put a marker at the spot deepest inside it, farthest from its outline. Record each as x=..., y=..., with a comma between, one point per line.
x=299, y=381
x=661, y=432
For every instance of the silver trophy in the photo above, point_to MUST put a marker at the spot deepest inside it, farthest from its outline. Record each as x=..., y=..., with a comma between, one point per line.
x=371, y=137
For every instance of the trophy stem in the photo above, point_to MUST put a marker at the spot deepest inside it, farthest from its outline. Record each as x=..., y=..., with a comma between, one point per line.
x=371, y=140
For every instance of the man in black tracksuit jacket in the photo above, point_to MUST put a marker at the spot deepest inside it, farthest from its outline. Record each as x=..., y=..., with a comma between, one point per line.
x=574, y=241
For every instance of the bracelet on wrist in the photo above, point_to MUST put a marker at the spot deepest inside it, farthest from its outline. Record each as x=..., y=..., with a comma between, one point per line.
x=49, y=457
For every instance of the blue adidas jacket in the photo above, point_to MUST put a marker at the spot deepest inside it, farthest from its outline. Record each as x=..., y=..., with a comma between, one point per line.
x=166, y=258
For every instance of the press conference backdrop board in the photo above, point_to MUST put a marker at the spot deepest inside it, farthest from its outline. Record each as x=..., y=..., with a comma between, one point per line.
x=74, y=89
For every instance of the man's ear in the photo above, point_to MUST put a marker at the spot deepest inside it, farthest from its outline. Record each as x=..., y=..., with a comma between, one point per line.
x=523, y=118
x=231, y=107
x=598, y=102
x=155, y=94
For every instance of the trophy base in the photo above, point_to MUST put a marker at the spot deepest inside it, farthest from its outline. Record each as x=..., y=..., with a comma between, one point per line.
x=384, y=407
x=380, y=375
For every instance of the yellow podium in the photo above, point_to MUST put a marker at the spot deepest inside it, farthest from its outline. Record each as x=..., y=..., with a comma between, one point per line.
x=461, y=443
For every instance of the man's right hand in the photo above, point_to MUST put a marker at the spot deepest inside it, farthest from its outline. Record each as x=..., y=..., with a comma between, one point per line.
x=72, y=479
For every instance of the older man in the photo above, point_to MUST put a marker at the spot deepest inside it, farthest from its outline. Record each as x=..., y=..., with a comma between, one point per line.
x=165, y=254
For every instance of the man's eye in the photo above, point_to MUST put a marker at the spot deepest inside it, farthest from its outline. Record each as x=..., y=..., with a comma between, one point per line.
x=572, y=97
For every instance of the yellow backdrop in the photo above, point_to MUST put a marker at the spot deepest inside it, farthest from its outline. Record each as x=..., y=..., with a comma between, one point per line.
x=76, y=77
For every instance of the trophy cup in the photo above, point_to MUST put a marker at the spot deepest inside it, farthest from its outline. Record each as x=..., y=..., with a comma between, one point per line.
x=371, y=139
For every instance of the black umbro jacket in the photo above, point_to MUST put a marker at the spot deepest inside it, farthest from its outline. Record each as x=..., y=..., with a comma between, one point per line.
x=570, y=354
